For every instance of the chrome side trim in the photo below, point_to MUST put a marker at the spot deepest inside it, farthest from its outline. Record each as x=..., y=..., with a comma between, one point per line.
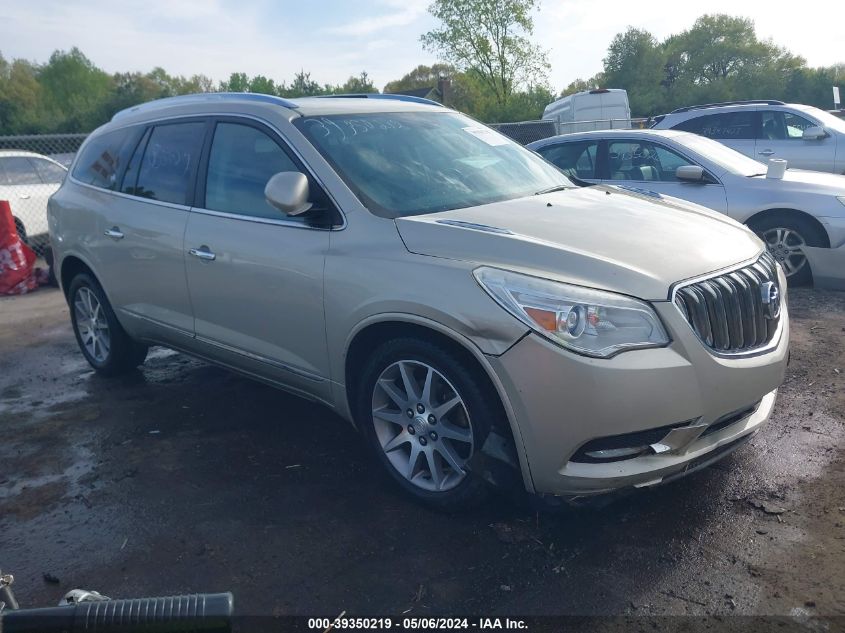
x=120, y=194
x=228, y=348
x=261, y=359
x=258, y=220
x=157, y=323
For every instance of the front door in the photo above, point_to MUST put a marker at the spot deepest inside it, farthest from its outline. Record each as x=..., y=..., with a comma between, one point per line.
x=256, y=275
x=781, y=136
x=651, y=166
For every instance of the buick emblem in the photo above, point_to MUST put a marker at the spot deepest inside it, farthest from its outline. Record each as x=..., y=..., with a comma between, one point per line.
x=770, y=296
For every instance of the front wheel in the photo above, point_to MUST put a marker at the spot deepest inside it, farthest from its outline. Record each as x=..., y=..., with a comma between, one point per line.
x=786, y=236
x=425, y=414
x=103, y=341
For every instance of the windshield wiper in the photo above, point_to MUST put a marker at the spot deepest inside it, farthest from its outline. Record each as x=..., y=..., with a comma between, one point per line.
x=551, y=189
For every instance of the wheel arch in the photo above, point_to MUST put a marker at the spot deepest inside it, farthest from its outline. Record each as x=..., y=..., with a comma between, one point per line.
x=377, y=330
x=795, y=213
x=71, y=266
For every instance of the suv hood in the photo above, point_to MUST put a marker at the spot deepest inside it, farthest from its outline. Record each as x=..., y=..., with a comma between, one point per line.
x=637, y=244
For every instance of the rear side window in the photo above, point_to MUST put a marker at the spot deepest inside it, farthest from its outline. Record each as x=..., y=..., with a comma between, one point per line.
x=50, y=173
x=18, y=170
x=241, y=161
x=167, y=169
x=104, y=157
x=575, y=159
x=728, y=125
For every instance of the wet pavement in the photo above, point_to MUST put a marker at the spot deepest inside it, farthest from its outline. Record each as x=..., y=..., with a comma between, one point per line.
x=184, y=477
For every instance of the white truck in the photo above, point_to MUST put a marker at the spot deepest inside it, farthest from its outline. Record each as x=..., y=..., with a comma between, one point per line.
x=600, y=109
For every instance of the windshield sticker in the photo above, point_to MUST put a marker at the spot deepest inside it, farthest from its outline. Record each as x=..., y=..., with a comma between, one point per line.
x=487, y=135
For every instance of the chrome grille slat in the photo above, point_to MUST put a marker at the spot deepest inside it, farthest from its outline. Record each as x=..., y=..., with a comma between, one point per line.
x=727, y=312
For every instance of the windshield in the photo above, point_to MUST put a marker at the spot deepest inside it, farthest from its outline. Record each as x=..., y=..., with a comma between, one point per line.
x=411, y=163
x=825, y=118
x=723, y=156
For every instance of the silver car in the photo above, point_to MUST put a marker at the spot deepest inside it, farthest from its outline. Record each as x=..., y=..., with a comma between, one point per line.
x=807, y=137
x=476, y=316
x=800, y=215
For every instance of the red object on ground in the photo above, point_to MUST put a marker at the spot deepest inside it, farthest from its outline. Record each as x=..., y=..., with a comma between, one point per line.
x=18, y=274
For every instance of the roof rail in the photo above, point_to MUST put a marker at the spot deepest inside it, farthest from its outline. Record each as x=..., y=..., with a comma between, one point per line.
x=729, y=103
x=389, y=96
x=206, y=97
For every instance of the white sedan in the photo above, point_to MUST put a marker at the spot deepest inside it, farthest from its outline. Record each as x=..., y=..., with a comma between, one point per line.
x=27, y=180
x=800, y=215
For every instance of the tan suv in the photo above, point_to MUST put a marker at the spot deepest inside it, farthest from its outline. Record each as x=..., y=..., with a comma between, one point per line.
x=476, y=316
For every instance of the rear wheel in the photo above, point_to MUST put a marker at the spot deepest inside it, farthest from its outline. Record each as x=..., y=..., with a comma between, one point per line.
x=103, y=341
x=786, y=236
x=425, y=415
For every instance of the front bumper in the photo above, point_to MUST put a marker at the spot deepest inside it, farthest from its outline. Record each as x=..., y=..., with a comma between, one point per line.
x=560, y=401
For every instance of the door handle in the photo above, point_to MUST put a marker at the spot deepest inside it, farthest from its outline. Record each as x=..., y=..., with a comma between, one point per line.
x=203, y=253
x=766, y=152
x=24, y=196
x=114, y=233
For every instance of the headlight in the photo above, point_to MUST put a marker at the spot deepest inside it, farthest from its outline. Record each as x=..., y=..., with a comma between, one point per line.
x=586, y=321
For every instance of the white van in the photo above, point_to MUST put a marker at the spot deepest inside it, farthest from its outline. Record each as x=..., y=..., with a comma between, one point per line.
x=600, y=109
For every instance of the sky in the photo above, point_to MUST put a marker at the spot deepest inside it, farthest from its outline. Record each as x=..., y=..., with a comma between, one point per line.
x=334, y=39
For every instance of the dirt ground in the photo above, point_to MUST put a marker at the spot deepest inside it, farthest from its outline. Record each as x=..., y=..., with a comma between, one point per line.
x=184, y=477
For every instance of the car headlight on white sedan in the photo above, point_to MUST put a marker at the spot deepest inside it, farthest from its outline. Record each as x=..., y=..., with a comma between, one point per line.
x=587, y=321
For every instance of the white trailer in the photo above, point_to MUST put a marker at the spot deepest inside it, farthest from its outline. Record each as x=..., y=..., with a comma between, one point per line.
x=600, y=109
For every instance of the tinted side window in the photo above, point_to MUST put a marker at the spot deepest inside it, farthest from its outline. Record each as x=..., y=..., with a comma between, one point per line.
x=728, y=125
x=104, y=157
x=575, y=159
x=167, y=168
x=50, y=173
x=241, y=161
x=19, y=171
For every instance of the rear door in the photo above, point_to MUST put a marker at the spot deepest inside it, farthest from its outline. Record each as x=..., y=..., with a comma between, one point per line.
x=781, y=137
x=650, y=167
x=255, y=274
x=139, y=240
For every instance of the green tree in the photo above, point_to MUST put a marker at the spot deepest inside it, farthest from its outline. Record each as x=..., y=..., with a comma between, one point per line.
x=74, y=92
x=362, y=84
x=463, y=92
x=489, y=40
x=20, y=97
x=635, y=62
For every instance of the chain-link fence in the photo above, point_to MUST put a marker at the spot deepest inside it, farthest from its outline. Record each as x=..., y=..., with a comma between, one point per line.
x=31, y=169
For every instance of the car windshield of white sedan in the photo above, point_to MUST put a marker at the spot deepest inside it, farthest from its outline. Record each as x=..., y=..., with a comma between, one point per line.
x=723, y=156
x=412, y=163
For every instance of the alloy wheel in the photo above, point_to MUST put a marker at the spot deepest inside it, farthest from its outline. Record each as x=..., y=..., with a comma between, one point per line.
x=787, y=247
x=422, y=425
x=91, y=325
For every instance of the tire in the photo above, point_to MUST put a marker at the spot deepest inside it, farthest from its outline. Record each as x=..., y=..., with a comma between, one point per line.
x=784, y=235
x=394, y=436
x=101, y=339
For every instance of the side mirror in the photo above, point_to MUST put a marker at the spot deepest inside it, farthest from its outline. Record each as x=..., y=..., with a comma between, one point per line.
x=288, y=192
x=690, y=173
x=814, y=133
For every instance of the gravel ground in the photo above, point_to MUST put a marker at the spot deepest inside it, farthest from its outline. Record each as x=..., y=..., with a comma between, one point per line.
x=183, y=477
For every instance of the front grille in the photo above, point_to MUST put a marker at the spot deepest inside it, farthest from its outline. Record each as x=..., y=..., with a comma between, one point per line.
x=728, y=312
